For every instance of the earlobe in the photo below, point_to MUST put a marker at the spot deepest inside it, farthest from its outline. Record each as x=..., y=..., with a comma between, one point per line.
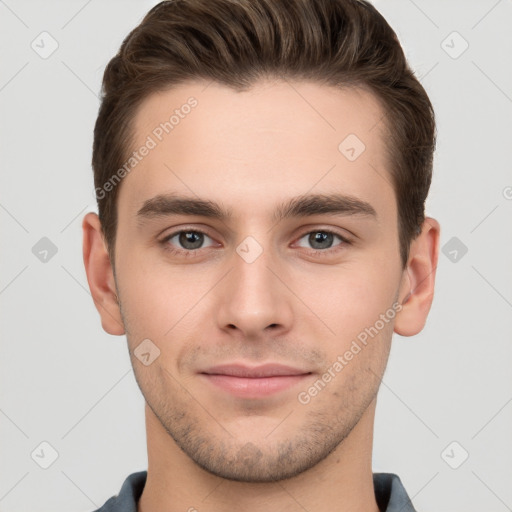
x=100, y=275
x=417, y=288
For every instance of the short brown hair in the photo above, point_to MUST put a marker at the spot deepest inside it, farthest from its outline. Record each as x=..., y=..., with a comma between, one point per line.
x=341, y=43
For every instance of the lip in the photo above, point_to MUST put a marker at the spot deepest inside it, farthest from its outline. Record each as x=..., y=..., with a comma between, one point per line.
x=265, y=370
x=254, y=382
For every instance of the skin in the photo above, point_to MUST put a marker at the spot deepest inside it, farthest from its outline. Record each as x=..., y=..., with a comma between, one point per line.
x=207, y=449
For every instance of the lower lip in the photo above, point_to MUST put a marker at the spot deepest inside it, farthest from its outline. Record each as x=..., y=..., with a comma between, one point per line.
x=254, y=387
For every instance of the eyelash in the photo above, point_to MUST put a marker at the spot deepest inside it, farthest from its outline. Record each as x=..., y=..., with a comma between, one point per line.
x=193, y=252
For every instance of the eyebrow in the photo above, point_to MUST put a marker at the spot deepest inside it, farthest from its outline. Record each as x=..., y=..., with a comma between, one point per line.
x=301, y=206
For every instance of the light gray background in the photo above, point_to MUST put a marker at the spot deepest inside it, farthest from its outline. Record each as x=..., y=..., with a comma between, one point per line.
x=66, y=382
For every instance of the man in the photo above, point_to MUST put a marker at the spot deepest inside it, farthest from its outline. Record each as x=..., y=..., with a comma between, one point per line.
x=261, y=169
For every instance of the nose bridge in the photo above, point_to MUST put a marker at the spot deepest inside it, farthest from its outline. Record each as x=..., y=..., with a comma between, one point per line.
x=252, y=298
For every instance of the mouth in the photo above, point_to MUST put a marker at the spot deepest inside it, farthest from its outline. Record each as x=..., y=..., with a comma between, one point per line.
x=254, y=382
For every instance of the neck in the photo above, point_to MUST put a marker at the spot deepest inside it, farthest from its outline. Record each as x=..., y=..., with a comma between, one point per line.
x=342, y=482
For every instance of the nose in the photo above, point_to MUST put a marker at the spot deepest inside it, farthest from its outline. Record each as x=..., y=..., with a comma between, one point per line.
x=253, y=300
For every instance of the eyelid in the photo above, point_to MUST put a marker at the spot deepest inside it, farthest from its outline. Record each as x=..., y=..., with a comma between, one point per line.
x=344, y=234
x=186, y=229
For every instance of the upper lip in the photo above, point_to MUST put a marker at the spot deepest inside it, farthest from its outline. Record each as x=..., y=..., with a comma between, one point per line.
x=266, y=370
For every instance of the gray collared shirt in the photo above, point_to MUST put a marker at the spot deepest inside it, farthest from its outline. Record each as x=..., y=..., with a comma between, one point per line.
x=389, y=493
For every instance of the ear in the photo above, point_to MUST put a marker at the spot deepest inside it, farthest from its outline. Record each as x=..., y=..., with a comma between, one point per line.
x=100, y=275
x=417, y=287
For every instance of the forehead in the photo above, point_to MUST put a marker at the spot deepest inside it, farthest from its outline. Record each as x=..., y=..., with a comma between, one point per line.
x=279, y=138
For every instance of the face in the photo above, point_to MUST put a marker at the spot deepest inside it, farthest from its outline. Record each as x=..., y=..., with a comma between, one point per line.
x=255, y=253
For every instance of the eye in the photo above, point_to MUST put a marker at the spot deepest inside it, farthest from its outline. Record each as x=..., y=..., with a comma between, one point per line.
x=185, y=241
x=189, y=242
x=322, y=240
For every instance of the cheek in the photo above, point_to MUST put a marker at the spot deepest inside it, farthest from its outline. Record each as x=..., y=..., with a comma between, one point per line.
x=163, y=302
x=348, y=299
x=149, y=296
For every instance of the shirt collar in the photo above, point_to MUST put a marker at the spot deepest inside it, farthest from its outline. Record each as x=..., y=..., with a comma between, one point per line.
x=390, y=494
